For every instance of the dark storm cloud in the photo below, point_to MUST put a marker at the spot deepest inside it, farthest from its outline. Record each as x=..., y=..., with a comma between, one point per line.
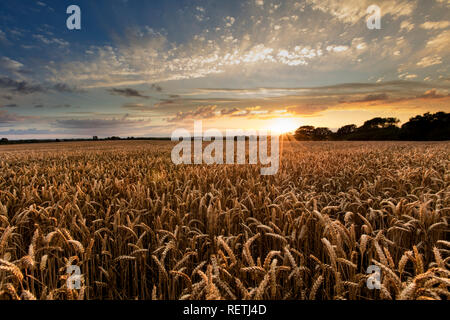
x=58, y=106
x=206, y=112
x=165, y=102
x=128, y=92
x=156, y=87
x=20, y=87
x=25, y=87
x=64, y=88
x=229, y=111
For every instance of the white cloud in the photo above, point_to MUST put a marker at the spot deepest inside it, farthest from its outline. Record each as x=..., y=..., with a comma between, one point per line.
x=9, y=64
x=49, y=41
x=234, y=46
x=429, y=61
x=406, y=25
x=2, y=35
x=200, y=16
x=433, y=25
x=337, y=48
x=407, y=76
x=440, y=42
x=229, y=21
x=352, y=11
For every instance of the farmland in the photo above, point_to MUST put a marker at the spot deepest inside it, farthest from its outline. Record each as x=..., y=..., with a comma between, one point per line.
x=140, y=227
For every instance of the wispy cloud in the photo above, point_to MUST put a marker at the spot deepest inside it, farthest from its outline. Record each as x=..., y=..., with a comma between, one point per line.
x=94, y=123
x=137, y=107
x=7, y=118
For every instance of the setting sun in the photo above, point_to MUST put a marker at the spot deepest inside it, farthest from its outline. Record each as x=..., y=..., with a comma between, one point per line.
x=283, y=125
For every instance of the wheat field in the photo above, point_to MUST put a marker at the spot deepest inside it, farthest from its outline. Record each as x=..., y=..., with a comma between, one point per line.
x=140, y=227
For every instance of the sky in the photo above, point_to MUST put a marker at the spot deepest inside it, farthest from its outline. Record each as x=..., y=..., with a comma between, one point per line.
x=145, y=68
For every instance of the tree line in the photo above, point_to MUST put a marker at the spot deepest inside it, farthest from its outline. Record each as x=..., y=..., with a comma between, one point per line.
x=427, y=127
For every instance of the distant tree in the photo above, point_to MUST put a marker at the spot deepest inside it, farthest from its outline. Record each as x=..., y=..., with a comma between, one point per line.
x=378, y=123
x=376, y=129
x=427, y=127
x=322, y=134
x=422, y=127
x=95, y=138
x=312, y=133
x=4, y=140
x=345, y=130
x=304, y=133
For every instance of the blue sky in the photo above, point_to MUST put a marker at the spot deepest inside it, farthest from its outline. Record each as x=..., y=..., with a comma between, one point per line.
x=145, y=68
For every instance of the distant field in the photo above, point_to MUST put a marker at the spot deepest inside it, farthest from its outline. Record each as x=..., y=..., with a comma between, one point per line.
x=140, y=227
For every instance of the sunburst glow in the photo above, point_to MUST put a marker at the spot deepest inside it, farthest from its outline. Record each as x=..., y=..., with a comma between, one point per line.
x=283, y=125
